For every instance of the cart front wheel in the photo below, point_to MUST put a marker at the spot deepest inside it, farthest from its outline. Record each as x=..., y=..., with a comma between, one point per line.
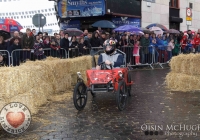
x=121, y=95
x=80, y=96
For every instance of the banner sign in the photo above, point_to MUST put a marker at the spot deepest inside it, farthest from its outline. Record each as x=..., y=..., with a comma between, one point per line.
x=127, y=21
x=70, y=24
x=81, y=8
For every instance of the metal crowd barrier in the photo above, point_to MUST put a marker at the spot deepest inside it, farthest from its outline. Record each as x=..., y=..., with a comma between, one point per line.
x=148, y=56
x=19, y=56
x=6, y=57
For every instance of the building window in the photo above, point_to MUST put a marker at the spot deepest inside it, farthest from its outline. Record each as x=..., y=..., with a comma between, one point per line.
x=29, y=12
x=174, y=3
x=21, y=16
x=19, y=13
x=190, y=5
x=22, y=13
x=45, y=10
x=26, y=12
x=6, y=14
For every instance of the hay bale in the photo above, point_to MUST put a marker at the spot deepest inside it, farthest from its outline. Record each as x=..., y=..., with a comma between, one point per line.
x=34, y=81
x=182, y=82
x=186, y=64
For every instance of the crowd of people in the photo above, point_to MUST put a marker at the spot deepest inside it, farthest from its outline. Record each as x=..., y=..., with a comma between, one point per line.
x=139, y=48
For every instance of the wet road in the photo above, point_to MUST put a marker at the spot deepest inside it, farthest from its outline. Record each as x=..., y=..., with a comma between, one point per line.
x=151, y=112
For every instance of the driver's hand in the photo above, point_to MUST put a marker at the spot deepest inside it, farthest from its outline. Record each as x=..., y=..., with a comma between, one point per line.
x=98, y=67
x=107, y=62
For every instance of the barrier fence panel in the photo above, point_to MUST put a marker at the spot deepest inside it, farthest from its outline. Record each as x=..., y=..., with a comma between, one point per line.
x=73, y=52
x=164, y=56
x=64, y=51
x=94, y=50
x=5, y=58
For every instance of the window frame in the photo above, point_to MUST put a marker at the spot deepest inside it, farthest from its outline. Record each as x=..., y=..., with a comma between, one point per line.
x=171, y=4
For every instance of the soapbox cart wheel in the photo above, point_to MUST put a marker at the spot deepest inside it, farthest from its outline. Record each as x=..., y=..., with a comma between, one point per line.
x=121, y=95
x=80, y=96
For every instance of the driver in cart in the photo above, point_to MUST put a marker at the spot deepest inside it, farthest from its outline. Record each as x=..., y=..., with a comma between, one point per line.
x=111, y=57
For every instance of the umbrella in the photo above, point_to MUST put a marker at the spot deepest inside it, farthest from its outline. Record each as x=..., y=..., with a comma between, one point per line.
x=156, y=30
x=104, y=24
x=6, y=35
x=10, y=25
x=157, y=25
x=145, y=30
x=74, y=32
x=129, y=28
x=173, y=31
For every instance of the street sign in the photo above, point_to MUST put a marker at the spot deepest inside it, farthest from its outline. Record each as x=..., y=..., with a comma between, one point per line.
x=188, y=18
x=39, y=20
x=189, y=23
x=188, y=12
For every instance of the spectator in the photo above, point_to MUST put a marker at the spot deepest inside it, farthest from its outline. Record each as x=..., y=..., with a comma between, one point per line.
x=55, y=48
x=87, y=40
x=131, y=40
x=124, y=41
x=183, y=43
x=2, y=63
x=188, y=47
x=95, y=42
x=47, y=46
x=189, y=32
x=16, y=54
x=40, y=35
x=102, y=38
x=153, y=50
x=38, y=49
x=58, y=39
x=82, y=47
x=119, y=45
x=64, y=43
x=85, y=34
x=27, y=44
x=145, y=42
x=136, y=53
x=62, y=34
x=73, y=42
x=169, y=49
x=176, y=49
x=197, y=43
x=16, y=34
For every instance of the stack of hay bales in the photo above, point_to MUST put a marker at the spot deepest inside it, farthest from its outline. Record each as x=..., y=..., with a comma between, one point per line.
x=185, y=73
x=34, y=81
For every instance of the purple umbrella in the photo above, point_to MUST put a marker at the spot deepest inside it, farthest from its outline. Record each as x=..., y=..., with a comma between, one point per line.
x=173, y=31
x=128, y=28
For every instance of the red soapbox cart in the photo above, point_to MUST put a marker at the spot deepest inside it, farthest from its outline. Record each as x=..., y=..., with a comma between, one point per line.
x=116, y=80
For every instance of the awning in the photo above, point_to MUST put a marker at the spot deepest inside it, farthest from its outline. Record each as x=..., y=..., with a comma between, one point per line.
x=175, y=19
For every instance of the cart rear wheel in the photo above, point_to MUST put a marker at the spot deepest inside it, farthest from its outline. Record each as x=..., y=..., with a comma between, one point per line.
x=121, y=95
x=129, y=81
x=80, y=96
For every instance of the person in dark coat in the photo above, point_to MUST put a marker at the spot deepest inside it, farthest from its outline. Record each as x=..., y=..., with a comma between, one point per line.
x=3, y=47
x=87, y=40
x=38, y=50
x=27, y=44
x=95, y=42
x=16, y=54
x=55, y=48
x=82, y=47
x=144, y=53
x=2, y=63
x=64, y=43
x=102, y=38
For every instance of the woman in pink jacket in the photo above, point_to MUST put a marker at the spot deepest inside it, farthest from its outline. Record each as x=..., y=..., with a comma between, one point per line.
x=170, y=47
x=136, y=53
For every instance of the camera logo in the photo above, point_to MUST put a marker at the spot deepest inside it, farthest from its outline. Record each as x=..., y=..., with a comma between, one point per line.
x=15, y=118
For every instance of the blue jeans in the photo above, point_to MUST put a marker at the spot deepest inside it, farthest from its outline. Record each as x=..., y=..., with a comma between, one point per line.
x=169, y=55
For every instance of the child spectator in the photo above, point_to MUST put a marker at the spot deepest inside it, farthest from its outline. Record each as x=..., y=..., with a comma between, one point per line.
x=38, y=49
x=169, y=49
x=136, y=53
x=82, y=47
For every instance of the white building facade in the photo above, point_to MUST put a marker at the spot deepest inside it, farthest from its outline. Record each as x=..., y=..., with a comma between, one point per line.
x=161, y=11
x=23, y=11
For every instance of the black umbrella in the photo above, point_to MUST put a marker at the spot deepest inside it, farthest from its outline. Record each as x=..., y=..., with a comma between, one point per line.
x=6, y=35
x=74, y=32
x=104, y=24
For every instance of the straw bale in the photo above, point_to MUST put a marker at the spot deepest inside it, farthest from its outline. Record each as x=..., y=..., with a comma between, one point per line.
x=182, y=82
x=32, y=99
x=186, y=64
